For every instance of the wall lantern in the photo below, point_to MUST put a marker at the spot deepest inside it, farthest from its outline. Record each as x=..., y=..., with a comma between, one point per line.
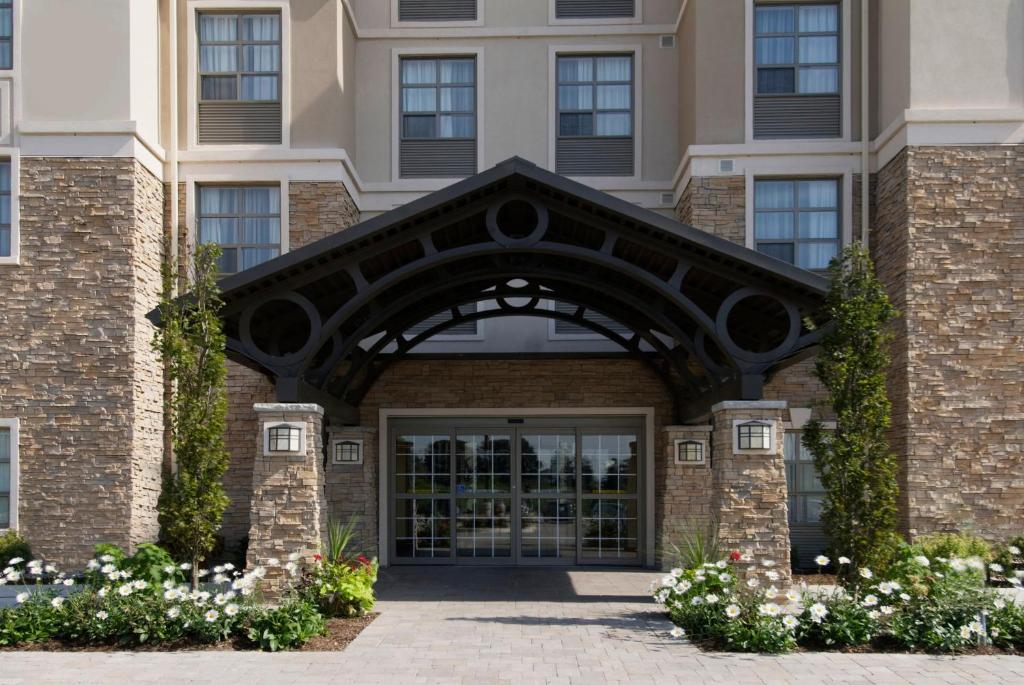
x=753, y=437
x=690, y=452
x=347, y=451
x=283, y=438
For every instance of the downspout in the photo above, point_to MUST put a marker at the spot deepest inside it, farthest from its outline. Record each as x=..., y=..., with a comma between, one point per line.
x=865, y=124
x=172, y=138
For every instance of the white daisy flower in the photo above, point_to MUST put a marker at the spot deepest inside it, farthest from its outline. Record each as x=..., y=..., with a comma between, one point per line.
x=14, y=561
x=185, y=567
x=174, y=612
x=218, y=568
x=68, y=582
x=211, y=616
x=998, y=568
x=677, y=632
x=922, y=560
x=220, y=579
x=976, y=627
x=965, y=632
x=168, y=585
x=720, y=563
x=865, y=572
x=711, y=598
x=220, y=600
x=56, y=602
x=844, y=560
x=753, y=582
x=231, y=610
x=1014, y=550
x=732, y=611
x=904, y=596
x=668, y=580
x=170, y=569
x=21, y=597
x=50, y=568
x=724, y=578
x=106, y=558
x=229, y=567
x=102, y=592
x=772, y=575
x=792, y=595
x=771, y=593
x=870, y=601
x=92, y=565
x=171, y=595
x=683, y=586
x=768, y=609
x=999, y=603
x=822, y=560
x=107, y=569
x=885, y=588
x=790, y=621
x=125, y=590
x=140, y=584
x=874, y=614
x=887, y=610
x=818, y=612
x=102, y=615
x=697, y=600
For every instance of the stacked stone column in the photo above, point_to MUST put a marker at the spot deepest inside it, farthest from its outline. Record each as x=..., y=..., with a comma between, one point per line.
x=289, y=507
x=750, y=487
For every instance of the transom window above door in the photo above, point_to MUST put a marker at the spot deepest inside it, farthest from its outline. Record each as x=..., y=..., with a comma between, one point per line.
x=437, y=126
x=244, y=220
x=797, y=220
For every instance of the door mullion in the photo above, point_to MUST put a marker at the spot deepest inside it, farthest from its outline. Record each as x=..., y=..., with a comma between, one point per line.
x=517, y=507
x=579, y=495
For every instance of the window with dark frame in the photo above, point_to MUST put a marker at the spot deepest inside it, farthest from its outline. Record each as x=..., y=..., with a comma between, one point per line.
x=284, y=438
x=6, y=486
x=753, y=435
x=240, y=56
x=244, y=220
x=6, y=34
x=797, y=220
x=6, y=248
x=438, y=98
x=806, y=493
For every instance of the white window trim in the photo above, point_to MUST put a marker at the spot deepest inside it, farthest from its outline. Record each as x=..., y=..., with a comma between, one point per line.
x=242, y=176
x=805, y=168
x=267, y=425
x=636, y=49
x=477, y=52
x=637, y=18
x=15, y=427
x=396, y=23
x=846, y=69
x=14, y=156
x=773, y=437
x=192, y=88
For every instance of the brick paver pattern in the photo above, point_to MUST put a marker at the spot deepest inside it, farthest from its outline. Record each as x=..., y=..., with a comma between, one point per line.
x=490, y=625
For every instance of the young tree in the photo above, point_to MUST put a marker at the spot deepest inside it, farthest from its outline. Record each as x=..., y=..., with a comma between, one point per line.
x=191, y=342
x=857, y=469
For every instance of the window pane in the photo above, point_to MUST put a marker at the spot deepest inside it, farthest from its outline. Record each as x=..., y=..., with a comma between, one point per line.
x=419, y=99
x=774, y=20
x=218, y=201
x=220, y=88
x=262, y=200
x=5, y=443
x=419, y=71
x=458, y=71
x=217, y=27
x=458, y=126
x=818, y=194
x=576, y=125
x=252, y=256
x=614, y=97
x=418, y=126
x=819, y=18
x=575, y=69
x=813, y=508
x=773, y=225
x=614, y=124
x=457, y=99
x=773, y=195
x=5, y=177
x=261, y=27
x=575, y=97
x=259, y=88
x=775, y=81
x=228, y=262
x=5, y=481
x=5, y=511
x=261, y=58
x=783, y=251
x=819, y=49
x=815, y=256
x=819, y=225
x=774, y=51
x=6, y=22
x=6, y=58
x=218, y=58
x=267, y=231
x=614, y=68
x=5, y=241
x=219, y=231
x=819, y=80
x=5, y=209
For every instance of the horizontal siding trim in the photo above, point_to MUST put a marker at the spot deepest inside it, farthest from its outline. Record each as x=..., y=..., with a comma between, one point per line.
x=594, y=156
x=797, y=116
x=239, y=122
x=436, y=158
x=437, y=10
x=594, y=9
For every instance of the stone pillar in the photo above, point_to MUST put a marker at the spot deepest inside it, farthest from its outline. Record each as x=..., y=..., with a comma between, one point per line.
x=686, y=499
x=750, y=484
x=289, y=508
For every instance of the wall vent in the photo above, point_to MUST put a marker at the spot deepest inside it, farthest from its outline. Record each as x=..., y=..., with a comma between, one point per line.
x=668, y=41
x=726, y=166
x=668, y=198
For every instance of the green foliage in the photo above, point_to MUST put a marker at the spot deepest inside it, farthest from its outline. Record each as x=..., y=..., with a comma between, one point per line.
x=339, y=537
x=285, y=627
x=107, y=549
x=858, y=471
x=33, y=620
x=953, y=545
x=342, y=589
x=13, y=546
x=836, y=620
x=698, y=543
x=1006, y=625
x=150, y=563
x=1010, y=558
x=192, y=343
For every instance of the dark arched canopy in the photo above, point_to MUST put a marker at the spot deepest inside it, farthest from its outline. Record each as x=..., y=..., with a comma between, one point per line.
x=712, y=318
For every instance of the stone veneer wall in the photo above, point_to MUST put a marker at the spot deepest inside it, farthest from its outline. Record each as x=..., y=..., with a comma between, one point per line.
x=949, y=241
x=77, y=367
x=716, y=204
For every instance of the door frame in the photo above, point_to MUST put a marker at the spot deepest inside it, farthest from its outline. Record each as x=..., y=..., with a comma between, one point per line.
x=384, y=462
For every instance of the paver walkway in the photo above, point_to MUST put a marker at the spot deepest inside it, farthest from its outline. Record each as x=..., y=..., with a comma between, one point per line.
x=485, y=625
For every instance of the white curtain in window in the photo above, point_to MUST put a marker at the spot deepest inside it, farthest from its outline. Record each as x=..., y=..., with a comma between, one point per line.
x=773, y=195
x=251, y=256
x=5, y=481
x=221, y=231
x=257, y=231
x=218, y=58
x=819, y=80
x=457, y=126
x=575, y=97
x=259, y=88
x=819, y=225
x=419, y=71
x=218, y=201
x=261, y=58
x=774, y=51
x=614, y=69
x=5, y=241
x=815, y=255
x=6, y=22
x=774, y=20
x=458, y=71
x=218, y=27
x=819, y=18
x=419, y=99
x=575, y=69
x=614, y=124
x=456, y=99
x=817, y=194
x=819, y=49
x=262, y=200
x=614, y=97
x=5, y=177
x=5, y=210
x=261, y=27
x=773, y=225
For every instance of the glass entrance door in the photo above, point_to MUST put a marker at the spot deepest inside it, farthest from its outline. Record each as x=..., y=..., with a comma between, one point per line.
x=465, y=493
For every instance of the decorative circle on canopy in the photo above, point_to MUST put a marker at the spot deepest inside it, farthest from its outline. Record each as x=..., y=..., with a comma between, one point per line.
x=291, y=356
x=517, y=221
x=722, y=326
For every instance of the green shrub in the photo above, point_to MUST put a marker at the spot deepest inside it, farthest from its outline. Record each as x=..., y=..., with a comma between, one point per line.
x=950, y=545
x=13, y=546
x=1009, y=560
x=35, y=619
x=1006, y=625
x=837, y=620
x=151, y=563
x=698, y=544
x=342, y=589
x=107, y=549
x=291, y=625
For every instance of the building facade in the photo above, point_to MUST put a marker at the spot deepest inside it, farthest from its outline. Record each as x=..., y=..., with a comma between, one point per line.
x=512, y=282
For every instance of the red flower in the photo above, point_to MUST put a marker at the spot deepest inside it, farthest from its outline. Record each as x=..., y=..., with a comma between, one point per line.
x=363, y=560
x=735, y=556
x=317, y=557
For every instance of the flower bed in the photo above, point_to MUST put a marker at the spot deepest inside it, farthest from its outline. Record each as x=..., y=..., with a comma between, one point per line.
x=143, y=600
x=919, y=603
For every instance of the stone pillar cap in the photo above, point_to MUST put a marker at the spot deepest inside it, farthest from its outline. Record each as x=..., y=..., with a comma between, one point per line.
x=749, y=404
x=288, y=408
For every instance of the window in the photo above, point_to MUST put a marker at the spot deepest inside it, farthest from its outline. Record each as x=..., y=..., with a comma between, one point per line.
x=753, y=435
x=796, y=53
x=595, y=115
x=8, y=473
x=240, y=78
x=6, y=234
x=6, y=34
x=437, y=10
x=438, y=117
x=797, y=220
x=284, y=438
x=244, y=221
x=806, y=493
x=594, y=9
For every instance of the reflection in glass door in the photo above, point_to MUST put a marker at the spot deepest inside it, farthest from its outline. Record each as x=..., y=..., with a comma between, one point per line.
x=483, y=496
x=610, y=512
x=547, y=467
x=422, y=496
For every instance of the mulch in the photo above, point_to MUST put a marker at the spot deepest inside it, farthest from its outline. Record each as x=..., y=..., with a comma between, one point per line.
x=340, y=633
